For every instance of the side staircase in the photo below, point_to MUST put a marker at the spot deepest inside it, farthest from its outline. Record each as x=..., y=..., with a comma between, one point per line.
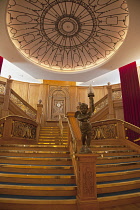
x=38, y=176
x=118, y=173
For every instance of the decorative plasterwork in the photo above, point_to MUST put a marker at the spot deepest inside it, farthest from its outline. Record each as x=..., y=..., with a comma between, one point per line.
x=67, y=35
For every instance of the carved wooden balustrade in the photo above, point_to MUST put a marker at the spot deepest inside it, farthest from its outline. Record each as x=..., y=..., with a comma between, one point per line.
x=9, y=97
x=22, y=104
x=2, y=87
x=116, y=95
x=101, y=104
x=18, y=128
x=112, y=128
x=106, y=104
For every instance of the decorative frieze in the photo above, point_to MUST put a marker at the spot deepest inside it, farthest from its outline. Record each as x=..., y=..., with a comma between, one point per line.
x=23, y=130
x=108, y=131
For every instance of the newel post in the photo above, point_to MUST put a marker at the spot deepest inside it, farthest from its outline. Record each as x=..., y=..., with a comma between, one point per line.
x=121, y=130
x=5, y=108
x=39, y=112
x=7, y=132
x=39, y=118
x=87, y=190
x=110, y=102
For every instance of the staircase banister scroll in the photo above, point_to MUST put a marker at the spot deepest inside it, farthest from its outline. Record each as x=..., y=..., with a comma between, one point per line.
x=23, y=101
x=18, y=129
x=121, y=127
x=2, y=83
x=101, y=100
x=28, y=109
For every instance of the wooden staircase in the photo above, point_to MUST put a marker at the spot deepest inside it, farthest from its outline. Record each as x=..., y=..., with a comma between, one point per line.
x=42, y=176
x=118, y=173
x=39, y=176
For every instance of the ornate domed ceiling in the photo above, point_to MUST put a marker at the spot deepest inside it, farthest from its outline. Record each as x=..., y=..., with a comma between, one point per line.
x=67, y=35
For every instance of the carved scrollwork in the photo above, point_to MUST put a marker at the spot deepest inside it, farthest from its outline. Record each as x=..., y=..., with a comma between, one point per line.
x=117, y=95
x=22, y=106
x=101, y=105
x=88, y=185
x=23, y=130
x=2, y=88
x=104, y=132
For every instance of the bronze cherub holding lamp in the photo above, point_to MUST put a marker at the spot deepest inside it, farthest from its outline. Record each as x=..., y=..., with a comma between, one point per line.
x=83, y=116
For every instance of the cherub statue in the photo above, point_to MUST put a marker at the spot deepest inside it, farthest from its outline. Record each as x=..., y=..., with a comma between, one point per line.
x=83, y=115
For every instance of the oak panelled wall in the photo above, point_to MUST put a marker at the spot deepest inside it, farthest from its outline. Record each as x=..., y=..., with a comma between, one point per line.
x=32, y=93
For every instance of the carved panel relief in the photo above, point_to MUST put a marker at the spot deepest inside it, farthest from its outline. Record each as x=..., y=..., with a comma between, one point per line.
x=58, y=103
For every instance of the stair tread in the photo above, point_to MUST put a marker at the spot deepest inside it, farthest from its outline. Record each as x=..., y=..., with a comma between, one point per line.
x=117, y=173
x=35, y=166
x=36, y=201
x=31, y=146
x=122, y=193
x=38, y=187
x=35, y=158
x=41, y=176
x=32, y=151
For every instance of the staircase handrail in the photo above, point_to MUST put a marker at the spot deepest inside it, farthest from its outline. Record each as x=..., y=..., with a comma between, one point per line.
x=20, y=102
x=60, y=123
x=101, y=103
x=15, y=127
x=75, y=132
x=116, y=95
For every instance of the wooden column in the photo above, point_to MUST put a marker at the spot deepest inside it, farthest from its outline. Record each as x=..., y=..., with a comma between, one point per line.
x=110, y=102
x=87, y=190
x=5, y=108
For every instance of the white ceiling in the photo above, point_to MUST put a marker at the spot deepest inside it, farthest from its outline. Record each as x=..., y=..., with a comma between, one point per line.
x=127, y=53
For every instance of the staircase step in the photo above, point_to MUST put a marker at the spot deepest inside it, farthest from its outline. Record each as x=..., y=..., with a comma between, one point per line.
x=117, y=159
x=108, y=147
x=53, y=136
x=36, y=168
x=119, y=186
x=48, y=147
x=107, y=142
x=35, y=153
x=13, y=189
x=37, y=179
x=107, y=177
x=10, y=203
x=35, y=160
x=117, y=166
x=115, y=152
x=116, y=200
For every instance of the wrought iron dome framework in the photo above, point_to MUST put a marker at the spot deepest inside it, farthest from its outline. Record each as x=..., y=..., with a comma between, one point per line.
x=67, y=35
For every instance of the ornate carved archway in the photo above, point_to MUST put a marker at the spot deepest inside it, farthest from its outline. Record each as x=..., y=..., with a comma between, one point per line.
x=58, y=103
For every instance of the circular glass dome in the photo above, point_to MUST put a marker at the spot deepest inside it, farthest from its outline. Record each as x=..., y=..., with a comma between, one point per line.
x=67, y=35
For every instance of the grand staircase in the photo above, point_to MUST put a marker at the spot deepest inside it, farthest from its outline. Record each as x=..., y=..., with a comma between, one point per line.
x=38, y=176
x=41, y=176
x=118, y=173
